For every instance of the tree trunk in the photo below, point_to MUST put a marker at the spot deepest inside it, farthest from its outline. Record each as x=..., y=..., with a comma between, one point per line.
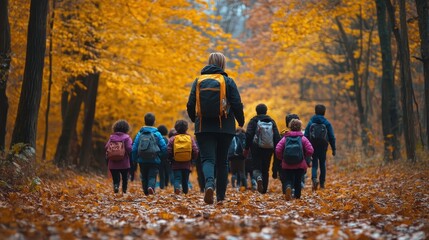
x=407, y=85
x=28, y=109
x=5, y=57
x=423, y=13
x=90, y=103
x=356, y=87
x=48, y=104
x=389, y=110
x=401, y=36
x=69, y=127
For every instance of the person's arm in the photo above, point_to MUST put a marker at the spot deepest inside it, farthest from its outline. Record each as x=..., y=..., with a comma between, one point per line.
x=250, y=133
x=235, y=102
x=331, y=137
x=170, y=149
x=280, y=148
x=195, y=149
x=192, y=100
x=276, y=134
x=128, y=145
x=135, y=147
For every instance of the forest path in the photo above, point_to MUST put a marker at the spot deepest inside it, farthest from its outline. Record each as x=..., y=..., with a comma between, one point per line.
x=363, y=202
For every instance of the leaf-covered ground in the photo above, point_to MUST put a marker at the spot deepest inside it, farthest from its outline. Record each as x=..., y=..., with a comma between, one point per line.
x=366, y=201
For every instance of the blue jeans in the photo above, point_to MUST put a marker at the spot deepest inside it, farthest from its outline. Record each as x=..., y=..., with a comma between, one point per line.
x=148, y=173
x=181, y=179
x=319, y=158
x=214, y=156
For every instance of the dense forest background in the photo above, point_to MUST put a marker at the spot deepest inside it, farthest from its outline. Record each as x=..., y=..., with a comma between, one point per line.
x=104, y=60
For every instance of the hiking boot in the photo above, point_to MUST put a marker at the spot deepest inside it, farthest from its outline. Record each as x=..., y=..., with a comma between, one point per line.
x=208, y=196
x=150, y=191
x=116, y=188
x=288, y=193
x=177, y=191
x=315, y=183
x=259, y=183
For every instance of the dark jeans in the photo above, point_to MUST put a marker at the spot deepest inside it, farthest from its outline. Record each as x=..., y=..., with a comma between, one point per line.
x=181, y=179
x=116, y=176
x=148, y=173
x=319, y=159
x=261, y=160
x=292, y=178
x=214, y=154
x=200, y=174
x=238, y=168
x=164, y=173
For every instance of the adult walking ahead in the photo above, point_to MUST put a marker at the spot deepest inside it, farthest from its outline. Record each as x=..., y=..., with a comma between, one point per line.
x=213, y=105
x=262, y=136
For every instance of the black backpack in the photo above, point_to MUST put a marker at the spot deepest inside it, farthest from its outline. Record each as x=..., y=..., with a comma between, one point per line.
x=148, y=147
x=318, y=134
x=293, y=152
x=236, y=148
x=211, y=96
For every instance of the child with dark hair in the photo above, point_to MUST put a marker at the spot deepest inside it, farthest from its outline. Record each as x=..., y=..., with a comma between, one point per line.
x=118, y=149
x=181, y=149
x=320, y=132
x=148, y=147
x=261, y=155
x=294, y=145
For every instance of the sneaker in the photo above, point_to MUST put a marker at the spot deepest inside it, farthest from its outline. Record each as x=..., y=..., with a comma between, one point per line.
x=259, y=183
x=253, y=184
x=315, y=184
x=288, y=193
x=150, y=191
x=208, y=196
x=322, y=185
x=177, y=191
x=116, y=189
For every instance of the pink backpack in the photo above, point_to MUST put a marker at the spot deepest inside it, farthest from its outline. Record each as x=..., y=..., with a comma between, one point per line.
x=115, y=151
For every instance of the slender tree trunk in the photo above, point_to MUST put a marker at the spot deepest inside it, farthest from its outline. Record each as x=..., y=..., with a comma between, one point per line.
x=356, y=87
x=401, y=36
x=5, y=57
x=69, y=127
x=90, y=103
x=407, y=85
x=48, y=104
x=25, y=130
x=423, y=13
x=389, y=110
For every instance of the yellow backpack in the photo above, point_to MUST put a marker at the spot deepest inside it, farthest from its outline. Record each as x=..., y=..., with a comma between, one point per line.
x=182, y=148
x=211, y=97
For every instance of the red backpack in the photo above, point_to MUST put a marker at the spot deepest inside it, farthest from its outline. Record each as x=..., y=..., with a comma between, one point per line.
x=115, y=151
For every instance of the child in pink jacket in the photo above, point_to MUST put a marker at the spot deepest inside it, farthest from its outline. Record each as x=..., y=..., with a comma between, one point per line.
x=293, y=172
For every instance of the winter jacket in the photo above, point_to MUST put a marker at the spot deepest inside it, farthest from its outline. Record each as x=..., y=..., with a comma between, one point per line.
x=213, y=125
x=323, y=120
x=125, y=163
x=252, y=126
x=160, y=141
x=306, y=146
x=181, y=165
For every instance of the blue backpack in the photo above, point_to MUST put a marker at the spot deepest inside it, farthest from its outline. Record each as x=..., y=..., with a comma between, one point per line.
x=236, y=148
x=293, y=152
x=148, y=146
